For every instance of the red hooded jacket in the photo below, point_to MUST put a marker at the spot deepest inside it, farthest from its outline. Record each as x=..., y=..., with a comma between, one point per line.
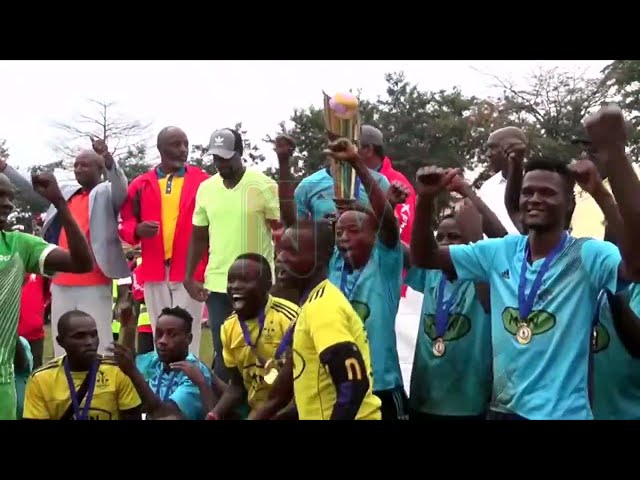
x=143, y=204
x=405, y=211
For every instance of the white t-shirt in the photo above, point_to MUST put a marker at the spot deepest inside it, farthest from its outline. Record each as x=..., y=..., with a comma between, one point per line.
x=492, y=193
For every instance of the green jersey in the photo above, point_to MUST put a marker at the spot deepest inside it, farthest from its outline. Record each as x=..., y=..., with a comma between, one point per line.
x=20, y=254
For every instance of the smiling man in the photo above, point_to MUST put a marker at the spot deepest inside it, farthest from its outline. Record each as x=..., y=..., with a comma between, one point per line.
x=157, y=214
x=256, y=337
x=80, y=385
x=235, y=213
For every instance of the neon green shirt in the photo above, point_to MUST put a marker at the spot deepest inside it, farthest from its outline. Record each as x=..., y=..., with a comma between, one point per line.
x=237, y=220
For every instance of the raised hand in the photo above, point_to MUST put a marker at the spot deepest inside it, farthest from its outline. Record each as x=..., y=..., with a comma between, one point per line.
x=343, y=150
x=100, y=147
x=123, y=357
x=586, y=175
x=607, y=127
x=430, y=181
x=397, y=193
x=515, y=152
x=458, y=185
x=46, y=185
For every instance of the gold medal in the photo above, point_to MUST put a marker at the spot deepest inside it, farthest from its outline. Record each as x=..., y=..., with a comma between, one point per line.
x=439, y=347
x=271, y=372
x=524, y=334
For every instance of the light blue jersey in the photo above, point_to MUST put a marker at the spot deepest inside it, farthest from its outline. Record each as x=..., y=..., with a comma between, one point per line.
x=174, y=385
x=374, y=293
x=457, y=383
x=548, y=377
x=616, y=392
x=314, y=194
x=21, y=377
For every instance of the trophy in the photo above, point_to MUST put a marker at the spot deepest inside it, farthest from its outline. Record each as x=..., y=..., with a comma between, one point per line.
x=342, y=120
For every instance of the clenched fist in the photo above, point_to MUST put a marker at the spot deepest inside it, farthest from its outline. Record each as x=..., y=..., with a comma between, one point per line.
x=430, y=181
x=607, y=127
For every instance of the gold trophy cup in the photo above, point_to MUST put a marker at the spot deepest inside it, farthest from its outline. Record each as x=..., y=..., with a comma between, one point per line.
x=342, y=120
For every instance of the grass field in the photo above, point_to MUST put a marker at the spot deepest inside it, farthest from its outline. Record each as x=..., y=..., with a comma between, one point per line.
x=206, y=346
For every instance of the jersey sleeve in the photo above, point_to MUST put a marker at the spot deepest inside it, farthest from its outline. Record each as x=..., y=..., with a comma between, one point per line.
x=35, y=407
x=187, y=397
x=473, y=262
x=127, y=395
x=271, y=200
x=227, y=356
x=29, y=354
x=416, y=278
x=328, y=326
x=601, y=261
x=300, y=197
x=200, y=217
x=33, y=251
x=384, y=183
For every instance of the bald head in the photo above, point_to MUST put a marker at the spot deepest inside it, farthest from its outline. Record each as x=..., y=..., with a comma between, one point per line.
x=166, y=133
x=173, y=146
x=508, y=133
x=499, y=141
x=88, y=167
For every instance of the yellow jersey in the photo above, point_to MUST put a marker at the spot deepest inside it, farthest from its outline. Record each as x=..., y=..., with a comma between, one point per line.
x=237, y=354
x=47, y=394
x=170, y=194
x=327, y=318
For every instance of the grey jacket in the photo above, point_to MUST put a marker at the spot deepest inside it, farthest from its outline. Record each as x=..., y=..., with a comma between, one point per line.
x=105, y=201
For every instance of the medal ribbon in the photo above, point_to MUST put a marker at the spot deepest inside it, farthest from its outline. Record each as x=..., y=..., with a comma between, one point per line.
x=247, y=335
x=167, y=391
x=525, y=302
x=93, y=372
x=344, y=280
x=443, y=309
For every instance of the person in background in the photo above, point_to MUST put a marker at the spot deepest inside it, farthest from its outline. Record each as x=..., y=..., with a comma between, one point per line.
x=118, y=287
x=254, y=336
x=22, y=254
x=170, y=380
x=23, y=366
x=451, y=374
x=94, y=204
x=492, y=192
x=157, y=214
x=81, y=385
x=235, y=213
x=371, y=151
x=145, y=332
x=588, y=219
x=314, y=194
x=33, y=301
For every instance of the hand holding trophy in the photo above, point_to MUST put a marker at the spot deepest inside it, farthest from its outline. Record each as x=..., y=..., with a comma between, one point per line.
x=342, y=121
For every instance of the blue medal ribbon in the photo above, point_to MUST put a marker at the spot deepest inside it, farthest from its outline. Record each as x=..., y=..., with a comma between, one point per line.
x=247, y=335
x=443, y=308
x=344, y=277
x=525, y=302
x=93, y=372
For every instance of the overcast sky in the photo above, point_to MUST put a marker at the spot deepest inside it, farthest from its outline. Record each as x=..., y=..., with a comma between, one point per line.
x=201, y=96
